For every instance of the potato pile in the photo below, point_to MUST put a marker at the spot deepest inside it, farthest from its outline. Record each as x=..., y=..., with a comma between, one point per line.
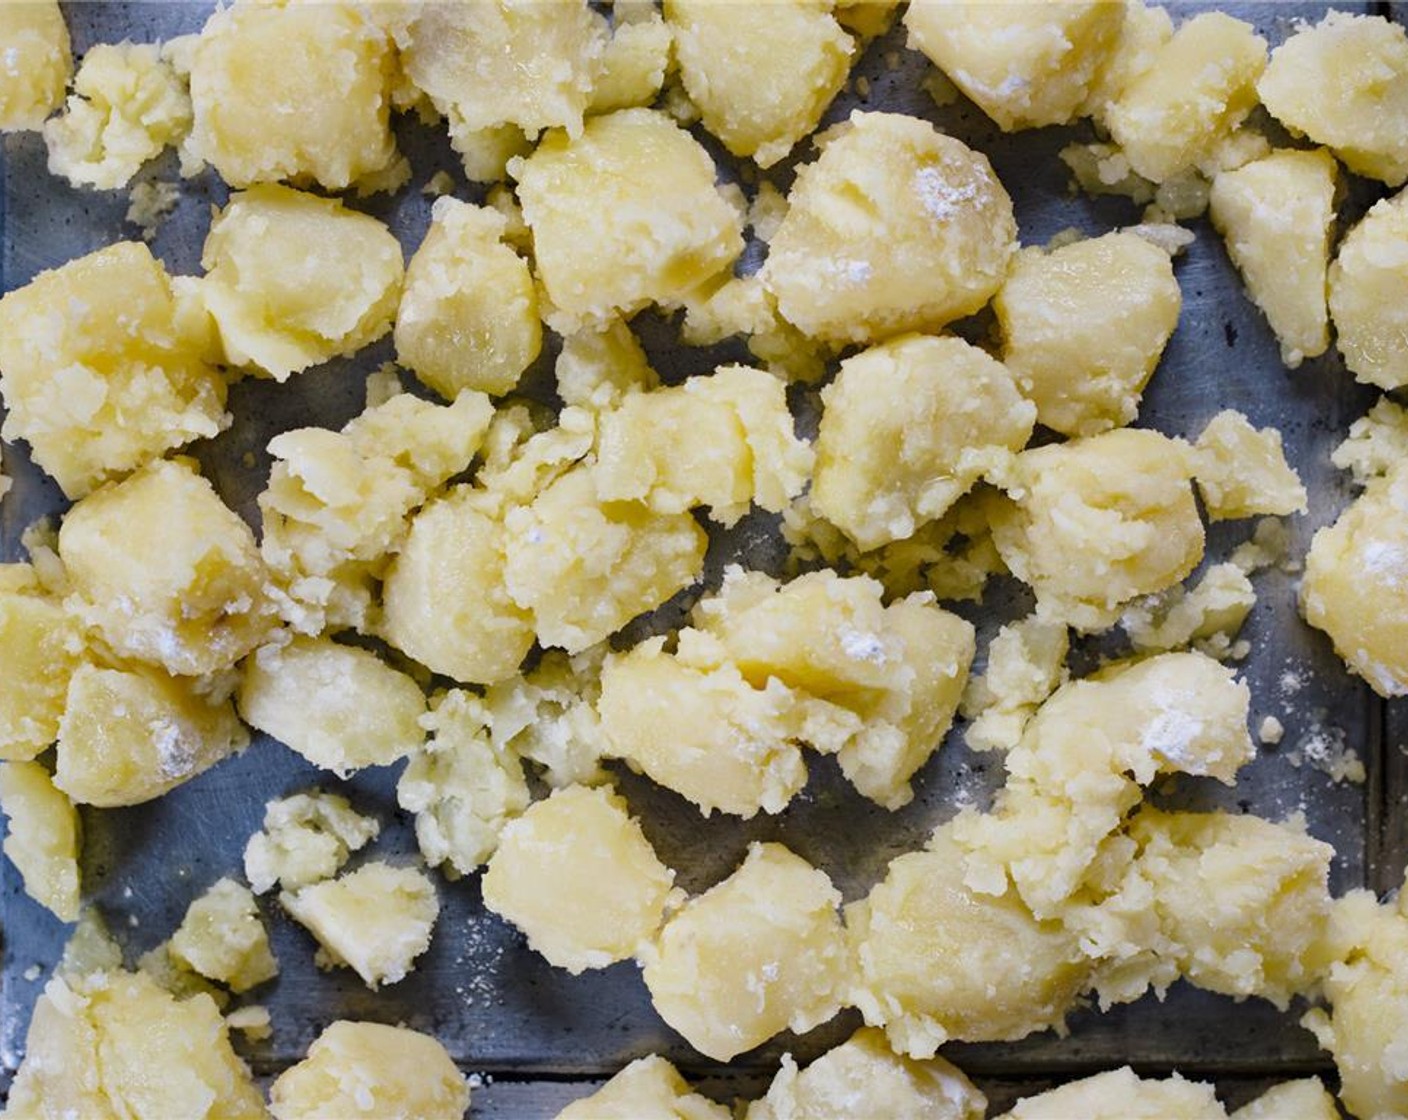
x=465, y=580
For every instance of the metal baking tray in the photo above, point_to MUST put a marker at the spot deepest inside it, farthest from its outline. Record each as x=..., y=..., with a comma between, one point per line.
x=537, y=1033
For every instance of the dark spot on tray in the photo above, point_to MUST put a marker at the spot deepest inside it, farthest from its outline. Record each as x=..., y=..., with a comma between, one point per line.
x=1229, y=332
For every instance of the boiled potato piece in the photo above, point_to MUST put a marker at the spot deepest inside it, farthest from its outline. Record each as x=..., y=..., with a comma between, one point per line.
x=223, y=938
x=44, y=837
x=1143, y=32
x=908, y=427
x=468, y=317
x=1121, y=1095
x=634, y=64
x=761, y=75
x=1306, y=1099
x=598, y=368
x=1084, y=326
x=761, y=952
x=37, y=63
x=1369, y=295
x=1026, y=664
x=1025, y=65
x=371, y=1070
x=292, y=91
x=1241, y=471
x=648, y=1089
x=130, y=735
x=306, y=838
x=1275, y=215
x=1344, y=83
x=165, y=571
x=42, y=644
x=99, y=372
x=894, y=228
x=1200, y=86
x=623, y=216
x=577, y=875
x=548, y=717
x=293, y=279
x=340, y=707
x=375, y=920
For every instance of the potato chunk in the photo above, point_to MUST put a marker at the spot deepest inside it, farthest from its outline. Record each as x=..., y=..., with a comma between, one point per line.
x=292, y=91
x=624, y=216
x=598, y=368
x=99, y=372
x=37, y=63
x=633, y=66
x=1084, y=326
x=1344, y=83
x=223, y=938
x=468, y=318
x=1096, y=522
x=165, y=571
x=1242, y=471
x=375, y=920
x=306, y=838
x=1356, y=584
x=1026, y=664
x=130, y=735
x=44, y=837
x=42, y=644
x=1306, y=1099
x=1120, y=1095
x=1369, y=295
x=293, y=279
x=371, y=1070
x=578, y=876
x=894, y=228
x=1275, y=215
x=648, y=1087
x=1199, y=87
x=1025, y=65
x=761, y=75
x=761, y=952
x=909, y=426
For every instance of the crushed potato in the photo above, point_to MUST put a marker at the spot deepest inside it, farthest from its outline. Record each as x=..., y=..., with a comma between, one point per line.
x=634, y=64
x=222, y=937
x=44, y=836
x=1121, y=1095
x=306, y=838
x=42, y=644
x=649, y=1086
x=1241, y=471
x=1367, y=295
x=36, y=66
x=1306, y=1099
x=1026, y=664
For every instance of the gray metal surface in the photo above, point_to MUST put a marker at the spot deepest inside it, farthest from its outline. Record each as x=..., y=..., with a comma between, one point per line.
x=499, y=1007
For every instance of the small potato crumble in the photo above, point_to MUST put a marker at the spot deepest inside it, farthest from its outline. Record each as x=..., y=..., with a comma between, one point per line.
x=1306, y=1099
x=649, y=1086
x=44, y=837
x=1121, y=1095
x=306, y=838
x=1241, y=471
x=223, y=938
x=1369, y=295
x=37, y=63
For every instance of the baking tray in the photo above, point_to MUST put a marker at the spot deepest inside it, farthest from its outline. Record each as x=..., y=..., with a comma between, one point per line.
x=535, y=1033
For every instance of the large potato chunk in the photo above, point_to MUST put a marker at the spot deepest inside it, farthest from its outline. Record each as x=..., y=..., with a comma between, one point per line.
x=1369, y=295
x=647, y=1087
x=1084, y=326
x=1025, y=65
x=624, y=216
x=909, y=426
x=293, y=279
x=42, y=644
x=99, y=372
x=1344, y=83
x=894, y=228
x=37, y=63
x=292, y=91
x=1120, y=1095
x=761, y=74
x=44, y=837
x=761, y=952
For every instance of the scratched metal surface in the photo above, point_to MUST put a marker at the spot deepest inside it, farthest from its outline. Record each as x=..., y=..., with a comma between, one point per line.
x=497, y=1006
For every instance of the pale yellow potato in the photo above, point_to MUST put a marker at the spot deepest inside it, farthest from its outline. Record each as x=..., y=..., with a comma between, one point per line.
x=1356, y=584
x=44, y=837
x=1200, y=86
x=577, y=875
x=908, y=428
x=623, y=216
x=99, y=372
x=36, y=66
x=371, y=1070
x=1275, y=216
x=649, y=1088
x=895, y=227
x=761, y=952
x=375, y=920
x=293, y=279
x=1206, y=616
x=1369, y=295
x=468, y=317
x=760, y=74
x=130, y=735
x=1376, y=441
x=1121, y=1095
x=725, y=441
x=444, y=599
x=463, y=786
x=548, y=717
x=340, y=707
x=292, y=91
x=864, y=1076
x=936, y=960
x=1094, y=523
x=1024, y=65
x=634, y=63
x=42, y=644
x=223, y=938
x=165, y=572
x=598, y=368
x=1306, y=1099
x=1241, y=471
x=306, y=838
x=1084, y=326
x=1344, y=83
x=1026, y=664
x=585, y=566
x=1143, y=32
x=95, y=1042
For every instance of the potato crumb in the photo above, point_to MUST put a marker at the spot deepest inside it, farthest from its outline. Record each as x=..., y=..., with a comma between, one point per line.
x=1270, y=731
x=150, y=203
